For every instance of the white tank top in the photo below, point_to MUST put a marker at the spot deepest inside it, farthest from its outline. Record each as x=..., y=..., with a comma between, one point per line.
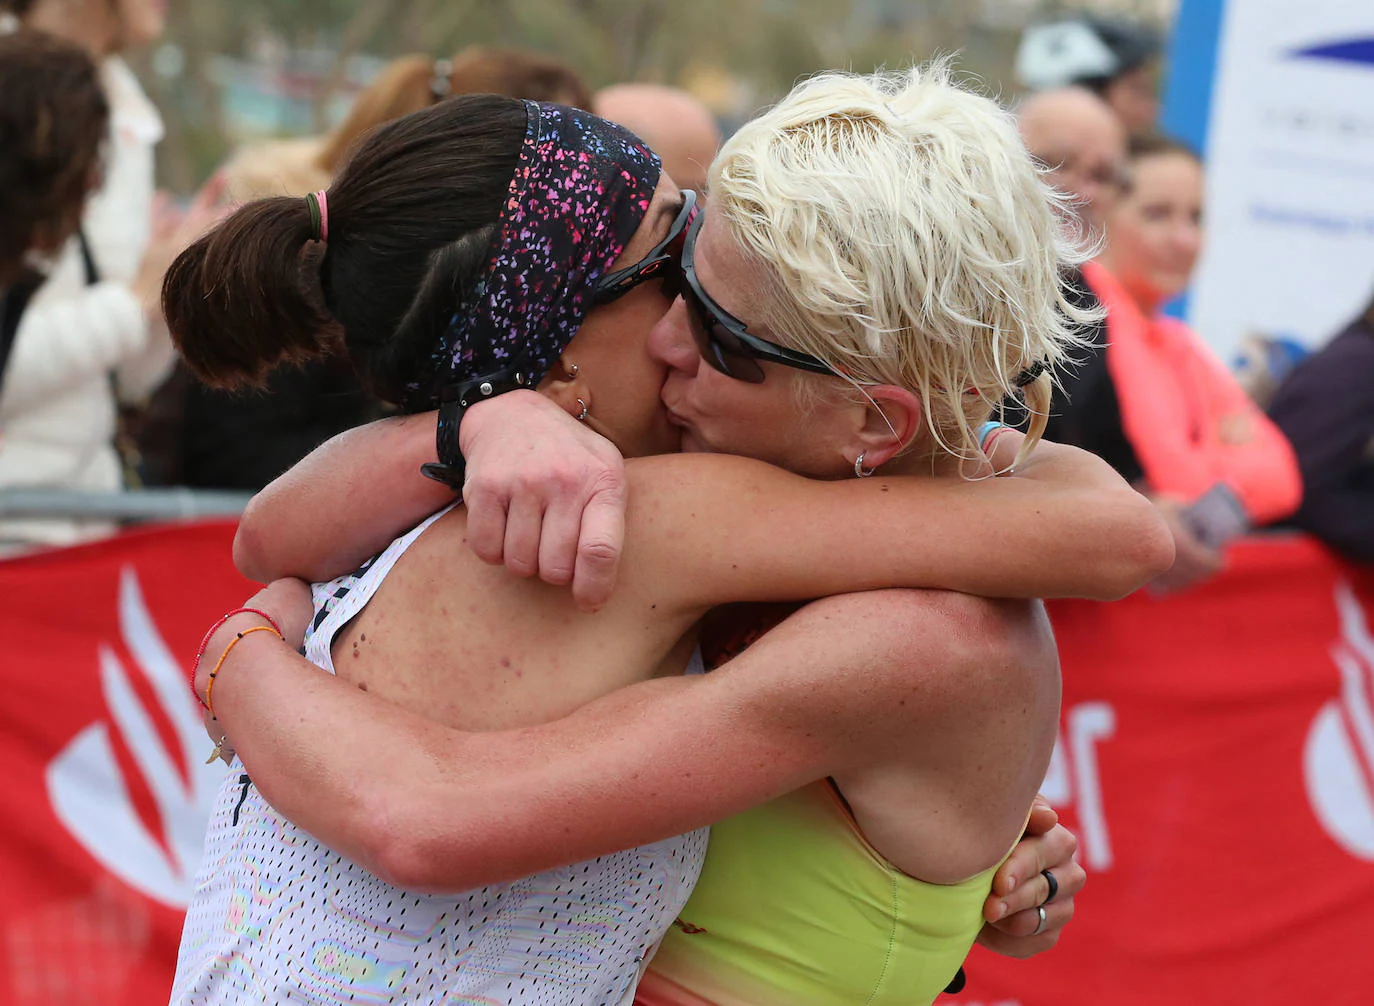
x=277, y=917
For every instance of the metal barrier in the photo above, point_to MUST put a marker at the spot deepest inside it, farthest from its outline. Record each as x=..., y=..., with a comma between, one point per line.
x=162, y=504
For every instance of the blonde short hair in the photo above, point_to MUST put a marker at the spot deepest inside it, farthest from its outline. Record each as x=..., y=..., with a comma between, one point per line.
x=909, y=239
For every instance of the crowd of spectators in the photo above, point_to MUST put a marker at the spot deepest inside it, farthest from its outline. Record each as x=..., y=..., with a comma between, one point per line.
x=85, y=242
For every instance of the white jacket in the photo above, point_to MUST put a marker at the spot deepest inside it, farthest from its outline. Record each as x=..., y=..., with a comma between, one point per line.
x=57, y=403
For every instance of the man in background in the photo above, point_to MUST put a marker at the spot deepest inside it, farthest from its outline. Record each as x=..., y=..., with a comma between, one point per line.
x=679, y=127
x=1114, y=58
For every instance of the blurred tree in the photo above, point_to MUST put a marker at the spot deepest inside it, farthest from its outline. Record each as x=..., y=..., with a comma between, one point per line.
x=761, y=47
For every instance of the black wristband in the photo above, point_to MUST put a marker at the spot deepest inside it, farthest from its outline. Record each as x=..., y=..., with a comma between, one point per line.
x=455, y=401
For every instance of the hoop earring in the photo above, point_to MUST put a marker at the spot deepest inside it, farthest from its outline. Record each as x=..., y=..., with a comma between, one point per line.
x=582, y=416
x=570, y=369
x=859, y=469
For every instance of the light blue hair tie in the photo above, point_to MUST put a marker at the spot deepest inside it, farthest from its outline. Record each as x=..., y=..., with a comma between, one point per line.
x=985, y=431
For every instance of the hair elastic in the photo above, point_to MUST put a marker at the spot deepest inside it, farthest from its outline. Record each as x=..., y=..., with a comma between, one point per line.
x=318, y=202
x=986, y=431
x=1029, y=375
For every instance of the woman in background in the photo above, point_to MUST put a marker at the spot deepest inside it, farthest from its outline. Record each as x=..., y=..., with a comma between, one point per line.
x=1155, y=403
x=53, y=121
x=93, y=335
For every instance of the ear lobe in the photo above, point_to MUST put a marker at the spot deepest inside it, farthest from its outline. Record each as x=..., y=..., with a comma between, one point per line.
x=891, y=423
x=565, y=386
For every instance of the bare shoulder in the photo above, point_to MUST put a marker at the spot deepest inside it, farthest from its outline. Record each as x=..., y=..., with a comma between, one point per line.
x=928, y=654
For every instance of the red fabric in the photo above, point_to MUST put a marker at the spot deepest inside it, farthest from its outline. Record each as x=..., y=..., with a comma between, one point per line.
x=84, y=675
x=1217, y=761
x=1178, y=403
x=1207, y=743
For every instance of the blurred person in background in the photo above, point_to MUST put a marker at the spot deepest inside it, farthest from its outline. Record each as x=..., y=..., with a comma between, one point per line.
x=1114, y=58
x=1262, y=363
x=215, y=439
x=1326, y=409
x=1082, y=145
x=53, y=124
x=671, y=121
x=1154, y=401
x=92, y=335
x=406, y=84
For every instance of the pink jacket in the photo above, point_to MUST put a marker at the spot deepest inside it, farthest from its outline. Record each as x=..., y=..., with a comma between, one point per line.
x=1188, y=420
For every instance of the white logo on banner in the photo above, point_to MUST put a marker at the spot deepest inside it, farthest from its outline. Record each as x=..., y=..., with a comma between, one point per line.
x=1073, y=778
x=88, y=790
x=1339, y=760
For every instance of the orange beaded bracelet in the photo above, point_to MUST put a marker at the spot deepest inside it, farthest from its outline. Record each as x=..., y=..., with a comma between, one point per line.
x=220, y=663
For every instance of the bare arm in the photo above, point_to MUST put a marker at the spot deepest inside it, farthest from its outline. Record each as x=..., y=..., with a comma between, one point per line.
x=428, y=807
x=344, y=502
x=732, y=529
x=562, y=484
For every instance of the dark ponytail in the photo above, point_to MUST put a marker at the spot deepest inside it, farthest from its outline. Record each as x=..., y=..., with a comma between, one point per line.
x=241, y=300
x=412, y=217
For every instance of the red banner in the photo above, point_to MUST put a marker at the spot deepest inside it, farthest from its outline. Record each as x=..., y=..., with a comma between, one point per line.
x=1216, y=758
x=102, y=749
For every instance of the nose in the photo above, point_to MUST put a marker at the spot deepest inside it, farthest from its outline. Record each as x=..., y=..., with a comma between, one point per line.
x=671, y=342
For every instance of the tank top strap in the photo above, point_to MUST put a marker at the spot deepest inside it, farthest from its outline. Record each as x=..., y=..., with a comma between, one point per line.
x=340, y=599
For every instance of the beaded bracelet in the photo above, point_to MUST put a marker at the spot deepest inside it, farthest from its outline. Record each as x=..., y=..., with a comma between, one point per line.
x=209, y=688
x=205, y=641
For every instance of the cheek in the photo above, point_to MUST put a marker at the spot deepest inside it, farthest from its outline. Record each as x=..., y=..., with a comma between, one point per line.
x=1139, y=242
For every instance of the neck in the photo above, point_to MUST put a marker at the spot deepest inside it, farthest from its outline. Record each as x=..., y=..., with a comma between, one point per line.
x=928, y=461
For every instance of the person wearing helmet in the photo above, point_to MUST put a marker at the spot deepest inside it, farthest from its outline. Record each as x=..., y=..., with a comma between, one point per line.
x=1117, y=59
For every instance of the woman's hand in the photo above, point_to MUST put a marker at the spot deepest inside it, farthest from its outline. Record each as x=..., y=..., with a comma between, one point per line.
x=1020, y=887
x=1194, y=562
x=545, y=495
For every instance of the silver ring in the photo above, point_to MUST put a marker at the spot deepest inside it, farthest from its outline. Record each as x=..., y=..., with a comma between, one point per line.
x=1040, y=926
x=582, y=416
x=859, y=468
x=572, y=369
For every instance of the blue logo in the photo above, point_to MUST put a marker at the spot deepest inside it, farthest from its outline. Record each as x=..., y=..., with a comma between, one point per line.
x=1352, y=50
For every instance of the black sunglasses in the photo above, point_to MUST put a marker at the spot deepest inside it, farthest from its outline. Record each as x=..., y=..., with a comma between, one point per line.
x=660, y=262
x=722, y=338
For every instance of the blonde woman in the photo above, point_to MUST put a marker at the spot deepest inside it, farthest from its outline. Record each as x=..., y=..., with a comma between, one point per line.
x=924, y=719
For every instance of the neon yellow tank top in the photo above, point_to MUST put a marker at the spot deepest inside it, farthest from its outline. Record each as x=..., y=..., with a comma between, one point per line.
x=795, y=908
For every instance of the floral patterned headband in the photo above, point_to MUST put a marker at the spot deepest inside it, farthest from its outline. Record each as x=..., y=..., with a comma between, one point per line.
x=580, y=190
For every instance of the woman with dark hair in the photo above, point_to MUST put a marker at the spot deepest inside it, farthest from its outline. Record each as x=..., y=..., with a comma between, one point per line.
x=92, y=338
x=225, y=440
x=53, y=118
x=487, y=246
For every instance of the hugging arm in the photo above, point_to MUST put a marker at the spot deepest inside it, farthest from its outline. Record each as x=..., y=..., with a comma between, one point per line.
x=342, y=504
x=428, y=807
x=1066, y=526
x=544, y=494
